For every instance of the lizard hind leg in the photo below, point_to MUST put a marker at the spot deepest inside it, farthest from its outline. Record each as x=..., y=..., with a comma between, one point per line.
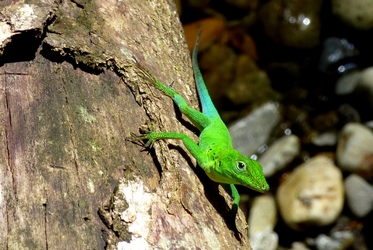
x=197, y=118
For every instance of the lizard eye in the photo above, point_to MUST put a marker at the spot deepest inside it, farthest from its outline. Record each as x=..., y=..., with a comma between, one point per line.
x=241, y=165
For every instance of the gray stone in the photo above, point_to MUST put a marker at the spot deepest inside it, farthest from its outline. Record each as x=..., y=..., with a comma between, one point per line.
x=335, y=49
x=280, y=154
x=337, y=241
x=252, y=131
x=359, y=195
x=267, y=240
x=347, y=83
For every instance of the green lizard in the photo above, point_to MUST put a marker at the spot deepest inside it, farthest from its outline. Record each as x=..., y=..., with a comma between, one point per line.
x=214, y=152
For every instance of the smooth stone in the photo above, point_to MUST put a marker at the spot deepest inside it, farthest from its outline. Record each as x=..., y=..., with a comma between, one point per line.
x=280, y=154
x=337, y=241
x=336, y=49
x=248, y=82
x=312, y=195
x=328, y=138
x=364, y=88
x=294, y=24
x=298, y=246
x=359, y=195
x=252, y=131
x=267, y=240
x=347, y=83
x=356, y=13
x=366, y=80
x=369, y=124
x=355, y=150
x=326, y=121
x=263, y=214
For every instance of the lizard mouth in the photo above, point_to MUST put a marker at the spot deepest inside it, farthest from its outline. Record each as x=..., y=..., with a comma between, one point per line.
x=260, y=188
x=256, y=186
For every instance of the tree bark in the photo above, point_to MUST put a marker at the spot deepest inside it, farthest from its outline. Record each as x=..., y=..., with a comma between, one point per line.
x=70, y=95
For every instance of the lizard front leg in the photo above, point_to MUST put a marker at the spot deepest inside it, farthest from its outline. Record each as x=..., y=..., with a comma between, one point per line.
x=236, y=198
x=202, y=159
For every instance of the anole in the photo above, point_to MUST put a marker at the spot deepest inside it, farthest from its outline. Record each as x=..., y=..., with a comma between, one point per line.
x=214, y=152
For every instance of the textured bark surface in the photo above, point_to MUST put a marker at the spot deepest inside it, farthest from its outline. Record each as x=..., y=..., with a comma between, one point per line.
x=70, y=95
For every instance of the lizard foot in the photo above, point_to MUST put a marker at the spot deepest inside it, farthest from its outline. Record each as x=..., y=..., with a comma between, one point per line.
x=139, y=137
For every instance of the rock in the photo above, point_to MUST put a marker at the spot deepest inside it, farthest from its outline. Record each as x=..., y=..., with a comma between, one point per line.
x=252, y=131
x=213, y=28
x=241, y=41
x=337, y=241
x=312, y=195
x=263, y=214
x=328, y=138
x=325, y=121
x=354, y=150
x=356, y=13
x=336, y=50
x=218, y=64
x=280, y=154
x=267, y=240
x=359, y=195
x=298, y=246
x=292, y=23
x=366, y=80
x=369, y=124
x=347, y=83
x=249, y=81
x=364, y=88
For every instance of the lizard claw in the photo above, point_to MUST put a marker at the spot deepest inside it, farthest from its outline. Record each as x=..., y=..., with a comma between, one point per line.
x=149, y=143
x=139, y=137
x=171, y=86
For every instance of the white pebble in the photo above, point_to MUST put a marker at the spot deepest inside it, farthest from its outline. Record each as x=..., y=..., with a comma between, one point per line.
x=312, y=194
x=354, y=148
x=359, y=195
x=263, y=214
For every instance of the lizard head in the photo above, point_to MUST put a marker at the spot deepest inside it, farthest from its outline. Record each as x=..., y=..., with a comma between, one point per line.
x=231, y=167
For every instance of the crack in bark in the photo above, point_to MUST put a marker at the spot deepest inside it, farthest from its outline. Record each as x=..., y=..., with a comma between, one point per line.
x=71, y=130
x=45, y=219
x=10, y=166
x=79, y=5
x=187, y=209
x=7, y=129
x=15, y=73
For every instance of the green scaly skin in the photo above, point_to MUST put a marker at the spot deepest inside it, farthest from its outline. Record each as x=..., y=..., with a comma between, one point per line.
x=214, y=153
